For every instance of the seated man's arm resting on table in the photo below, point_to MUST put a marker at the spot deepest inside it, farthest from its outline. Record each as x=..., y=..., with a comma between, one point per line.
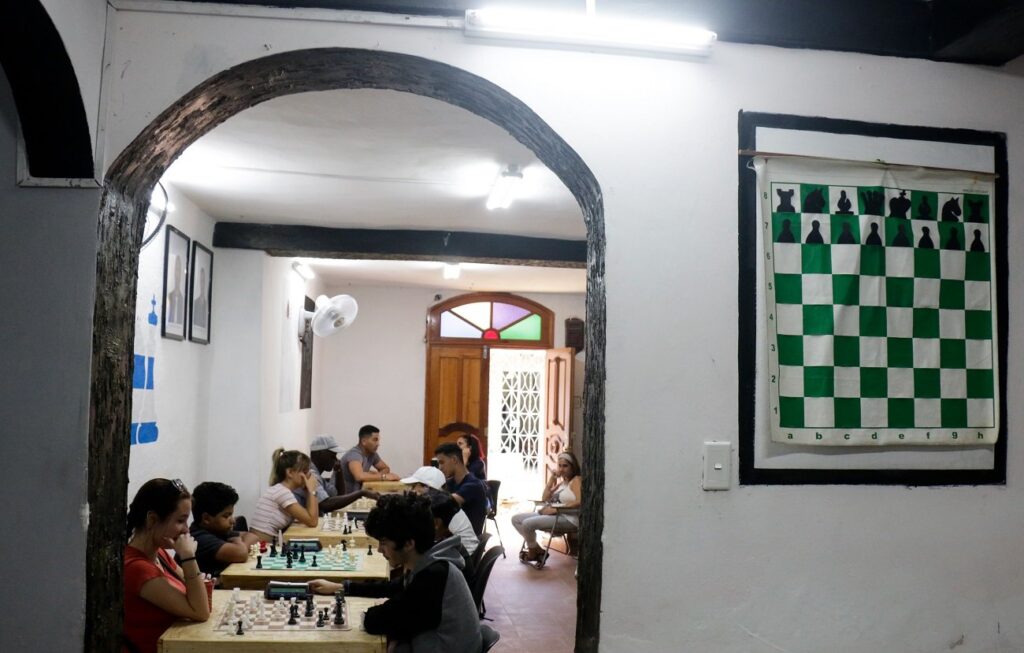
x=369, y=589
x=356, y=469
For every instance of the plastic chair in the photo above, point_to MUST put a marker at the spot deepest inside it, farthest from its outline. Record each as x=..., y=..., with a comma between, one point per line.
x=480, y=578
x=489, y=636
x=492, y=511
x=474, y=560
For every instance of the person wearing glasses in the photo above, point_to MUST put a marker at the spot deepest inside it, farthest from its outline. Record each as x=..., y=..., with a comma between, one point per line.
x=277, y=507
x=158, y=592
x=563, y=491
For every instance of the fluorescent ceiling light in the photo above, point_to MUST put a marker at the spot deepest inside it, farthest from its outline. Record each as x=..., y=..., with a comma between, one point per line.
x=506, y=189
x=303, y=270
x=589, y=30
x=452, y=271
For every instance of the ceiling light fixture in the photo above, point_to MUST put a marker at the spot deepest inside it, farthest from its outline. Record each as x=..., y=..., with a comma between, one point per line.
x=451, y=271
x=506, y=188
x=303, y=270
x=589, y=30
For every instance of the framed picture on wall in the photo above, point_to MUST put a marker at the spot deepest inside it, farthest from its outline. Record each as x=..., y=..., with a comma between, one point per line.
x=200, y=294
x=172, y=321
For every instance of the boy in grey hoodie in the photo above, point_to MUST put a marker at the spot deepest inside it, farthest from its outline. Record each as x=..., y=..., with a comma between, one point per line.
x=430, y=608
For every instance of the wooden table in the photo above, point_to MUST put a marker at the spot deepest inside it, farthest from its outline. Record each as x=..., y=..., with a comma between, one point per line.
x=190, y=637
x=386, y=487
x=245, y=576
x=357, y=538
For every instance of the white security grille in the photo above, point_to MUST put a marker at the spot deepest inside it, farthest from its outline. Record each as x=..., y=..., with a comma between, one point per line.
x=516, y=411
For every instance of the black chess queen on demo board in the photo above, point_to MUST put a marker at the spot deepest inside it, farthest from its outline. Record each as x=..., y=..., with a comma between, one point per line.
x=157, y=592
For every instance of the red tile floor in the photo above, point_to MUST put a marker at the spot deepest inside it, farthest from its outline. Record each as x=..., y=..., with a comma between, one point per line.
x=534, y=610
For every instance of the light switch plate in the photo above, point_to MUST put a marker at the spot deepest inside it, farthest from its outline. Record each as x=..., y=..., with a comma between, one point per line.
x=717, y=465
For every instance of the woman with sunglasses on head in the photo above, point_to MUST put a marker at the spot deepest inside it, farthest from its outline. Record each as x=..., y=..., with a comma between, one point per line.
x=157, y=592
x=277, y=508
x=564, y=491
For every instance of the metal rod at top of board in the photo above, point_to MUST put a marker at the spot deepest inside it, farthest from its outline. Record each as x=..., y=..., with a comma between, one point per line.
x=876, y=162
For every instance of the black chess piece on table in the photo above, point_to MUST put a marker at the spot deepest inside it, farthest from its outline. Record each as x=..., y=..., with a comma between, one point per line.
x=873, y=237
x=302, y=554
x=846, y=236
x=953, y=242
x=309, y=605
x=844, y=204
x=239, y=631
x=785, y=201
x=293, y=615
x=814, y=238
x=814, y=202
x=259, y=562
x=900, y=239
x=339, y=615
x=951, y=210
x=786, y=235
x=926, y=239
x=924, y=209
x=273, y=550
x=369, y=549
x=344, y=545
x=289, y=563
x=314, y=561
x=975, y=211
x=976, y=244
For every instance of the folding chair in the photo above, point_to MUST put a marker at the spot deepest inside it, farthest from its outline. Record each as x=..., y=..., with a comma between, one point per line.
x=489, y=636
x=553, y=532
x=492, y=512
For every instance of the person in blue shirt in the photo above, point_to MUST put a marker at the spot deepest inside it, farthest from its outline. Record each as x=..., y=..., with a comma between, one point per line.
x=472, y=454
x=467, y=490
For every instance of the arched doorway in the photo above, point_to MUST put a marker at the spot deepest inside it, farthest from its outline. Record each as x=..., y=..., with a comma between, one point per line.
x=128, y=186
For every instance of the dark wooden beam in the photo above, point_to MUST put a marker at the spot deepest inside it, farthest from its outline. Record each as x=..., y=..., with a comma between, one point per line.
x=46, y=93
x=990, y=32
x=326, y=242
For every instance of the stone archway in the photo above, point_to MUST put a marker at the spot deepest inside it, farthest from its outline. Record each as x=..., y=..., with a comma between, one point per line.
x=122, y=215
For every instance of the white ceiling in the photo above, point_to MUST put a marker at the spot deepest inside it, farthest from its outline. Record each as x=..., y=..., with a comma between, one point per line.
x=380, y=160
x=370, y=159
x=336, y=274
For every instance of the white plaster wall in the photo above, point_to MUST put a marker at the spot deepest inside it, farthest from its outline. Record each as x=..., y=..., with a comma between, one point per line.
x=182, y=379
x=374, y=372
x=47, y=286
x=754, y=569
x=82, y=26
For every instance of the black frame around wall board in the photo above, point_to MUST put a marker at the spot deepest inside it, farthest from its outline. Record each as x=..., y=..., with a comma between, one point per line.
x=748, y=296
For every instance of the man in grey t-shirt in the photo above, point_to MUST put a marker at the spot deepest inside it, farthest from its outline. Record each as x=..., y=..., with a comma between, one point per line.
x=362, y=463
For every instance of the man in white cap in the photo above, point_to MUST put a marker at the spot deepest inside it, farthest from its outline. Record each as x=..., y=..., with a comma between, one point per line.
x=323, y=455
x=430, y=481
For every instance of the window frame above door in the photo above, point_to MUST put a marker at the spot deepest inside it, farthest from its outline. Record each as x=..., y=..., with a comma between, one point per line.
x=547, y=321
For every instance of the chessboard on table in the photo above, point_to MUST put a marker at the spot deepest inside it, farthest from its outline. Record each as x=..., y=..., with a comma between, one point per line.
x=385, y=487
x=217, y=634
x=330, y=531
x=358, y=565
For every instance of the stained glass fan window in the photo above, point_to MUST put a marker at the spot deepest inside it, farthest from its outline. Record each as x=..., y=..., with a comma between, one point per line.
x=491, y=321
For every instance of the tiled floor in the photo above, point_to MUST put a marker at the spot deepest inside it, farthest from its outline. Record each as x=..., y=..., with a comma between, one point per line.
x=533, y=610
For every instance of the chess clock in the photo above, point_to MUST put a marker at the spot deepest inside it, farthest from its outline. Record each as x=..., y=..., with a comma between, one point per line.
x=279, y=589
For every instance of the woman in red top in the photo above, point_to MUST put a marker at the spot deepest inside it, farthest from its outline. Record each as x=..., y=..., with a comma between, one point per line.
x=157, y=592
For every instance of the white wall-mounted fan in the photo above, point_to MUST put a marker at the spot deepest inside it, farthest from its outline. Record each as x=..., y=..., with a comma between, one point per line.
x=332, y=315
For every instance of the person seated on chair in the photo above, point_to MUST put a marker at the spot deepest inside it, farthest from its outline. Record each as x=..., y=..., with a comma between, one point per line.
x=277, y=508
x=323, y=455
x=563, y=491
x=357, y=463
x=218, y=544
x=430, y=481
x=472, y=455
x=430, y=608
x=157, y=592
x=469, y=491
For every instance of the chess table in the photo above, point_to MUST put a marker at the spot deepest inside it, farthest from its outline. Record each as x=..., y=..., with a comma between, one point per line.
x=329, y=536
x=385, y=487
x=246, y=576
x=189, y=637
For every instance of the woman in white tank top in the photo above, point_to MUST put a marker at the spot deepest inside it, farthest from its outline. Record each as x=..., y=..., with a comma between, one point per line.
x=563, y=491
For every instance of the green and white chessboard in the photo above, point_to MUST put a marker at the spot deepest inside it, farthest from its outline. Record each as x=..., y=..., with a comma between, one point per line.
x=347, y=561
x=881, y=328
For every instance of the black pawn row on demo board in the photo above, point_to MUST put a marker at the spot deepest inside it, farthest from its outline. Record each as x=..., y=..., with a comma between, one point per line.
x=899, y=240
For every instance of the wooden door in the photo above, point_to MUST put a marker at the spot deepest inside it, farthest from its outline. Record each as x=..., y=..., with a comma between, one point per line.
x=558, y=380
x=456, y=391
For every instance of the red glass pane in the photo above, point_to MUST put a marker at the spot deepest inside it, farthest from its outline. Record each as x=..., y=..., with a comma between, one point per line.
x=490, y=334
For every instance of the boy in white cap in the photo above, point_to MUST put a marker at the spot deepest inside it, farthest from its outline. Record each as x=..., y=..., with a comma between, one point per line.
x=430, y=481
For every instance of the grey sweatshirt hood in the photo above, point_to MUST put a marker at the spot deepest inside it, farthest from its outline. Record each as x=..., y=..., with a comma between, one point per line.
x=447, y=549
